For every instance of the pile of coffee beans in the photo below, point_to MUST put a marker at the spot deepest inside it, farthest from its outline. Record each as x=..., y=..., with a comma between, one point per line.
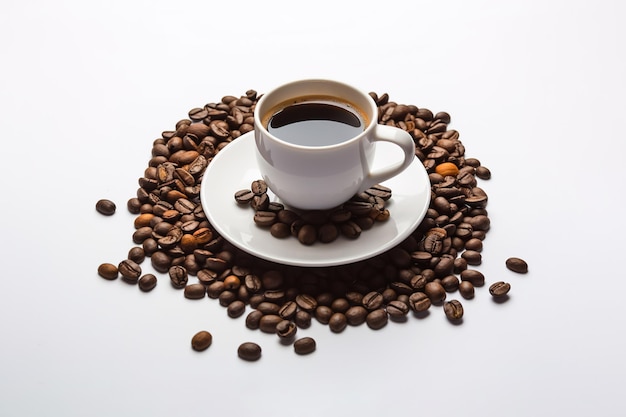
x=360, y=213
x=426, y=269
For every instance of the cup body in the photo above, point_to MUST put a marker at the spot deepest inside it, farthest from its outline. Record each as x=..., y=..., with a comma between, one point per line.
x=320, y=177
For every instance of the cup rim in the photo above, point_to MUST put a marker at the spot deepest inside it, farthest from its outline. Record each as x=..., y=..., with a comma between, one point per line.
x=371, y=113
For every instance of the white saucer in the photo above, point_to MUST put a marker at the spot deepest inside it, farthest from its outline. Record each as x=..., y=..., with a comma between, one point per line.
x=234, y=168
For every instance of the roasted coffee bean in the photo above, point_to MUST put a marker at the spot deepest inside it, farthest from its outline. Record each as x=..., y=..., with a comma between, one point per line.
x=264, y=218
x=472, y=257
x=306, y=302
x=499, y=289
x=453, y=310
x=435, y=292
x=129, y=270
x=450, y=283
x=268, y=323
x=337, y=322
x=307, y=234
x=236, y=309
x=303, y=319
x=483, y=173
x=475, y=277
x=323, y=314
x=304, y=346
x=249, y=351
x=137, y=254
x=201, y=340
x=288, y=310
x=268, y=308
x=286, y=330
x=419, y=302
x=466, y=289
x=397, y=309
x=178, y=276
x=517, y=265
x=147, y=282
x=227, y=297
x=377, y=319
x=244, y=196
x=195, y=291
x=106, y=207
x=253, y=319
x=356, y=315
x=372, y=300
x=281, y=230
x=108, y=271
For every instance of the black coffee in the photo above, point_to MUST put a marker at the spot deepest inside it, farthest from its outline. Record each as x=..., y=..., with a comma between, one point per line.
x=316, y=123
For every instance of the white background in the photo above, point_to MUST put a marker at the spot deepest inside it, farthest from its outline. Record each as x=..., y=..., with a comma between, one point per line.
x=536, y=89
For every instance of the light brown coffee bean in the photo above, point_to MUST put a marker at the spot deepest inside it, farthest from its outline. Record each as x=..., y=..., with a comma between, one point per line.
x=108, y=271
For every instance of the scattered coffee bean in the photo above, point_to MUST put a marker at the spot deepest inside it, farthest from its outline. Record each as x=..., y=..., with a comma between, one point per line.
x=249, y=351
x=195, y=291
x=108, y=271
x=147, y=282
x=106, y=207
x=499, y=289
x=130, y=270
x=453, y=310
x=304, y=346
x=517, y=265
x=201, y=340
x=236, y=309
x=466, y=289
x=286, y=330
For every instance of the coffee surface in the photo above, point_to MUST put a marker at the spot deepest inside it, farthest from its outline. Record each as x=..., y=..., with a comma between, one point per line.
x=315, y=124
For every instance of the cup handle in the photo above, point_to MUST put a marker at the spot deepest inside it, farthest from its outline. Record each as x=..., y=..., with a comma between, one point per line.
x=399, y=137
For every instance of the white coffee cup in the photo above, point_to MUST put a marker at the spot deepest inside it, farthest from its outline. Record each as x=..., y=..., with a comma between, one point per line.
x=310, y=172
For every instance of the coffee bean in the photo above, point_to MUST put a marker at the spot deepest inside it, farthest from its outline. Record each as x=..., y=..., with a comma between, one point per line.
x=303, y=319
x=286, y=330
x=195, y=291
x=236, y=309
x=419, y=302
x=130, y=270
x=253, y=319
x=106, y=207
x=499, y=289
x=147, y=282
x=517, y=265
x=323, y=314
x=307, y=235
x=466, y=289
x=306, y=302
x=268, y=308
x=201, y=340
x=472, y=257
x=356, y=315
x=473, y=276
x=244, y=196
x=304, y=346
x=108, y=271
x=453, y=310
x=372, y=300
x=377, y=319
x=435, y=292
x=397, y=309
x=178, y=276
x=337, y=322
x=137, y=254
x=268, y=323
x=249, y=351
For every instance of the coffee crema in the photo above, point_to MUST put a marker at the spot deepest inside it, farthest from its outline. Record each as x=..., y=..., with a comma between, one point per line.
x=315, y=121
